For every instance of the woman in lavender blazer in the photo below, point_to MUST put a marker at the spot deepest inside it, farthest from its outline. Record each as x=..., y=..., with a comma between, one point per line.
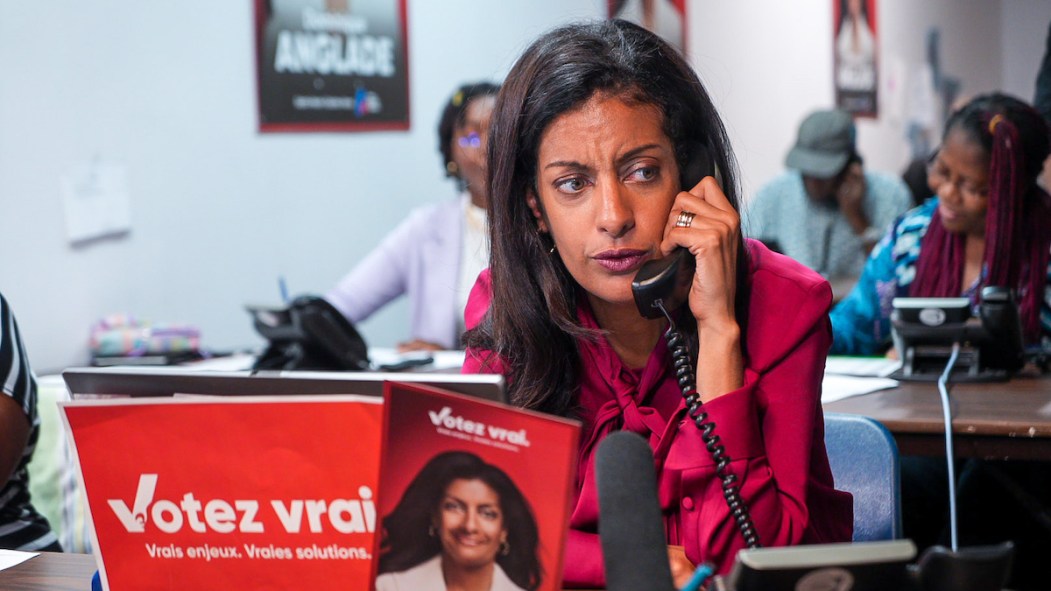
x=435, y=255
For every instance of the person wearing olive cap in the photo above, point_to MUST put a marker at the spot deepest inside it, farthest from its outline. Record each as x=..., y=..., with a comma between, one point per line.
x=826, y=211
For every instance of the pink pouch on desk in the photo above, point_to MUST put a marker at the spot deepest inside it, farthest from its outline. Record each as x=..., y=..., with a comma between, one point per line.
x=123, y=335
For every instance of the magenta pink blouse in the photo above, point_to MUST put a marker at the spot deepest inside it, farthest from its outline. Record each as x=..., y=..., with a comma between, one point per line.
x=772, y=427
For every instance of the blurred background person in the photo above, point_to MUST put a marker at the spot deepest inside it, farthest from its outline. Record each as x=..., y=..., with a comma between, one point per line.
x=1042, y=102
x=435, y=255
x=915, y=178
x=21, y=527
x=915, y=173
x=990, y=224
x=826, y=211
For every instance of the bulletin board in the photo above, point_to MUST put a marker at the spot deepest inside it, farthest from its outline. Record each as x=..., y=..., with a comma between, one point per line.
x=666, y=18
x=332, y=65
x=856, y=56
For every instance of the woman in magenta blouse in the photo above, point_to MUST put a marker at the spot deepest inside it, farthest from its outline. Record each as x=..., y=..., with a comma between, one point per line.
x=590, y=133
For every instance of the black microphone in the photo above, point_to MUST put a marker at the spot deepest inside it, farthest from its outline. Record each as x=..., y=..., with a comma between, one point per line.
x=630, y=526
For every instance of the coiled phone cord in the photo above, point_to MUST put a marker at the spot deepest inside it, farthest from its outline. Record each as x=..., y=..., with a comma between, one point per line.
x=685, y=376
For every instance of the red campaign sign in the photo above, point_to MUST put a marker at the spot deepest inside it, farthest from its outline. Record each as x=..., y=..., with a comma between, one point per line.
x=231, y=493
x=526, y=460
x=856, y=56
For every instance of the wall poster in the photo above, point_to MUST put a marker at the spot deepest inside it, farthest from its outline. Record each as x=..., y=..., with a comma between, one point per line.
x=332, y=65
x=856, y=47
x=666, y=18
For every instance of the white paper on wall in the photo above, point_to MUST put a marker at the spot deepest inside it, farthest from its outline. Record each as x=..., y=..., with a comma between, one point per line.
x=894, y=95
x=95, y=200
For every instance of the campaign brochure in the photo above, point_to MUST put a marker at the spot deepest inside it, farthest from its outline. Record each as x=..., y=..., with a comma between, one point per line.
x=471, y=490
x=260, y=493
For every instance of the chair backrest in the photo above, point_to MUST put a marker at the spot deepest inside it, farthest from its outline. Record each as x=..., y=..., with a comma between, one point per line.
x=864, y=461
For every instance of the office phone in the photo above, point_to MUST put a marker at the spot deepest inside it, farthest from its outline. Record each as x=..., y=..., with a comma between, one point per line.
x=991, y=343
x=660, y=288
x=309, y=334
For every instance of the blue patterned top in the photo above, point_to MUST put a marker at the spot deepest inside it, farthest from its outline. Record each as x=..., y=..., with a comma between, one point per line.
x=861, y=322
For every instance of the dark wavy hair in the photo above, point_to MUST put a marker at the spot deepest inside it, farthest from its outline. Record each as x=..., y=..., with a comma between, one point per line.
x=453, y=116
x=531, y=324
x=406, y=543
x=1014, y=138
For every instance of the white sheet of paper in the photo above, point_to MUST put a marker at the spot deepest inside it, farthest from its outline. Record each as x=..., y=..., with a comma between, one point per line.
x=441, y=360
x=9, y=558
x=873, y=367
x=836, y=387
x=95, y=199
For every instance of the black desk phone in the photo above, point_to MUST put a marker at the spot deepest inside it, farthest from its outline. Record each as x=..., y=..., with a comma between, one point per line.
x=310, y=334
x=660, y=288
x=991, y=344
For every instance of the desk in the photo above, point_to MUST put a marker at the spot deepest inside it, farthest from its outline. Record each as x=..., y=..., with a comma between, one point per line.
x=998, y=420
x=50, y=571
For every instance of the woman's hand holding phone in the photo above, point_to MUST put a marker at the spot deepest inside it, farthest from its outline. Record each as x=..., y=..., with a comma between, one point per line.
x=712, y=236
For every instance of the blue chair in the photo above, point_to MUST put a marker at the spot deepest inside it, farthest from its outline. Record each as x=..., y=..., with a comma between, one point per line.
x=864, y=461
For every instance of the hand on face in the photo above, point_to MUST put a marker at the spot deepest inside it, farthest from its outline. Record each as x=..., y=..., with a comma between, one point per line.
x=712, y=237
x=607, y=191
x=606, y=179
x=850, y=195
x=608, y=183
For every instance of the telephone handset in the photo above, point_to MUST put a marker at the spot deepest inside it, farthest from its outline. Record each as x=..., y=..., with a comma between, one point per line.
x=660, y=288
x=667, y=281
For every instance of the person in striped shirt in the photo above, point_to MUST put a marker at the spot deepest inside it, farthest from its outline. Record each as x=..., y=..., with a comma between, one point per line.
x=21, y=527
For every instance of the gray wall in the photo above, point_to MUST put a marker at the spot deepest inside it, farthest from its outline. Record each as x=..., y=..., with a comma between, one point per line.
x=1024, y=35
x=220, y=211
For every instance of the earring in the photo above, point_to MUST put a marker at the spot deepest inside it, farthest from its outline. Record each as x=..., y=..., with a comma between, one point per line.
x=451, y=167
x=505, y=548
x=431, y=532
x=540, y=234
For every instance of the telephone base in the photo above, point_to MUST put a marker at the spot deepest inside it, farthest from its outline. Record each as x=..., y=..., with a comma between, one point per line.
x=925, y=363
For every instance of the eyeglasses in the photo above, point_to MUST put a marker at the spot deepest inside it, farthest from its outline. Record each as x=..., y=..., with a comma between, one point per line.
x=471, y=140
x=938, y=175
